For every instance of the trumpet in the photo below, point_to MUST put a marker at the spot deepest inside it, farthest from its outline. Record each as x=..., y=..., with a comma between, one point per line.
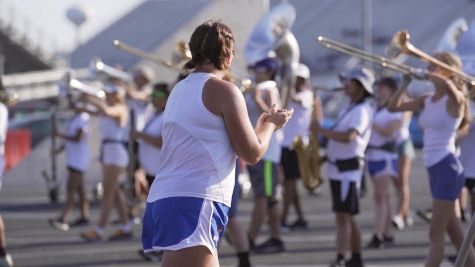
x=400, y=45
x=380, y=60
x=97, y=66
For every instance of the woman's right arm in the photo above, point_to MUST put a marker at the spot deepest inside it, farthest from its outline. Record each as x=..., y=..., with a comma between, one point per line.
x=397, y=103
x=250, y=144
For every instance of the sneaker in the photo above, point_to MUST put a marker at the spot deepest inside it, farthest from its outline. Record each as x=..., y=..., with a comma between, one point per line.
x=398, y=222
x=120, y=234
x=408, y=221
x=92, y=236
x=151, y=256
x=377, y=241
x=135, y=220
x=6, y=261
x=337, y=263
x=59, y=224
x=299, y=225
x=273, y=245
x=426, y=215
x=354, y=263
x=284, y=227
x=80, y=222
x=252, y=246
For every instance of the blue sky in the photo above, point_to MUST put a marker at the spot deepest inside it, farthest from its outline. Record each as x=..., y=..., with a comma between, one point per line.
x=45, y=20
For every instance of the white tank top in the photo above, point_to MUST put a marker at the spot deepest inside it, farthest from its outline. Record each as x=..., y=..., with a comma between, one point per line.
x=77, y=153
x=111, y=130
x=439, y=130
x=197, y=158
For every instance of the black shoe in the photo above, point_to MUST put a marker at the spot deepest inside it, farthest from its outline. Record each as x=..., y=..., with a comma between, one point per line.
x=151, y=256
x=80, y=222
x=377, y=241
x=337, y=263
x=299, y=225
x=273, y=245
x=354, y=263
x=252, y=246
x=59, y=224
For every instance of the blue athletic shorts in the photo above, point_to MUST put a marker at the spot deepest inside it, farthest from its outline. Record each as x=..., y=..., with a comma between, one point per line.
x=382, y=167
x=181, y=222
x=446, y=178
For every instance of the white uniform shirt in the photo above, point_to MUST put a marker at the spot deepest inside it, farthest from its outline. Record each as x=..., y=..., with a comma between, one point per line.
x=197, y=158
x=254, y=111
x=299, y=123
x=77, y=153
x=358, y=117
x=148, y=154
x=140, y=110
x=467, y=148
x=382, y=118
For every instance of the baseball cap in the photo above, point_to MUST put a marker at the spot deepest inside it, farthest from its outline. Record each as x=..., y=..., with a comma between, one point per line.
x=266, y=64
x=361, y=74
x=302, y=71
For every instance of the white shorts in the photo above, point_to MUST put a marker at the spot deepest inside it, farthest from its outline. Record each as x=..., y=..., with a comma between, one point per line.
x=114, y=154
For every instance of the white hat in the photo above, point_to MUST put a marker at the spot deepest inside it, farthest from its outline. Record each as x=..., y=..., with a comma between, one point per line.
x=145, y=71
x=302, y=71
x=363, y=75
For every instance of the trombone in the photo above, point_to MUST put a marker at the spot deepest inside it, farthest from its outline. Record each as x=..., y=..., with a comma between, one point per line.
x=401, y=44
x=382, y=61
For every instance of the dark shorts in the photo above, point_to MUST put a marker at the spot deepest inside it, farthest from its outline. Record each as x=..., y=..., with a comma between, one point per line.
x=406, y=149
x=72, y=169
x=290, y=164
x=345, y=204
x=150, y=179
x=446, y=178
x=264, y=177
x=236, y=195
x=470, y=185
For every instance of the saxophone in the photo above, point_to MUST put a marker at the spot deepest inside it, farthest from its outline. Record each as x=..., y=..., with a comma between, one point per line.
x=309, y=161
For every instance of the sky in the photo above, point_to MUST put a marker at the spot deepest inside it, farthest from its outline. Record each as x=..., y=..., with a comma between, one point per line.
x=45, y=21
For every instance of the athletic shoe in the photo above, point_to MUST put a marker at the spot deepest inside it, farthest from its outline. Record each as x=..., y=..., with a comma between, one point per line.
x=299, y=225
x=59, y=224
x=377, y=241
x=80, y=222
x=151, y=256
x=284, y=228
x=398, y=222
x=6, y=261
x=120, y=234
x=408, y=221
x=425, y=215
x=337, y=263
x=354, y=263
x=272, y=245
x=92, y=236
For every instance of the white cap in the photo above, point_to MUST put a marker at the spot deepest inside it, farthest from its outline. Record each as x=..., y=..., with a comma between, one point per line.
x=363, y=75
x=302, y=71
x=145, y=71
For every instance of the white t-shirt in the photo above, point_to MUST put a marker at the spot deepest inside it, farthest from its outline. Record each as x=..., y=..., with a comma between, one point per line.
x=357, y=117
x=197, y=158
x=148, y=154
x=467, y=148
x=299, y=123
x=267, y=88
x=140, y=110
x=382, y=118
x=78, y=152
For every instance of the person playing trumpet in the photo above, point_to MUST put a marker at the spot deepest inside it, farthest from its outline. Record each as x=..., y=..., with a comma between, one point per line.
x=443, y=113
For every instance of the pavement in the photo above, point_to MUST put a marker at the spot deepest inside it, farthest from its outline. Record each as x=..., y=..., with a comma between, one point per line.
x=32, y=242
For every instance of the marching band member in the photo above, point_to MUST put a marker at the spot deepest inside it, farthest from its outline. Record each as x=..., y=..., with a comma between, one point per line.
x=345, y=152
x=264, y=174
x=138, y=94
x=442, y=114
x=78, y=156
x=467, y=156
x=150, y=138
x=114, y=159
x=381, y=158
x=298, y=125
x=205, y=125
x=5, y=258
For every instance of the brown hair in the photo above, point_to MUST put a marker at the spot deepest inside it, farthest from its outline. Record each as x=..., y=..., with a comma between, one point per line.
x=211, y=42
x=454, y=61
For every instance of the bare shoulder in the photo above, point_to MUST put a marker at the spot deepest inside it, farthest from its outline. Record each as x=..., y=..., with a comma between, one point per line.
x=224, y=90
